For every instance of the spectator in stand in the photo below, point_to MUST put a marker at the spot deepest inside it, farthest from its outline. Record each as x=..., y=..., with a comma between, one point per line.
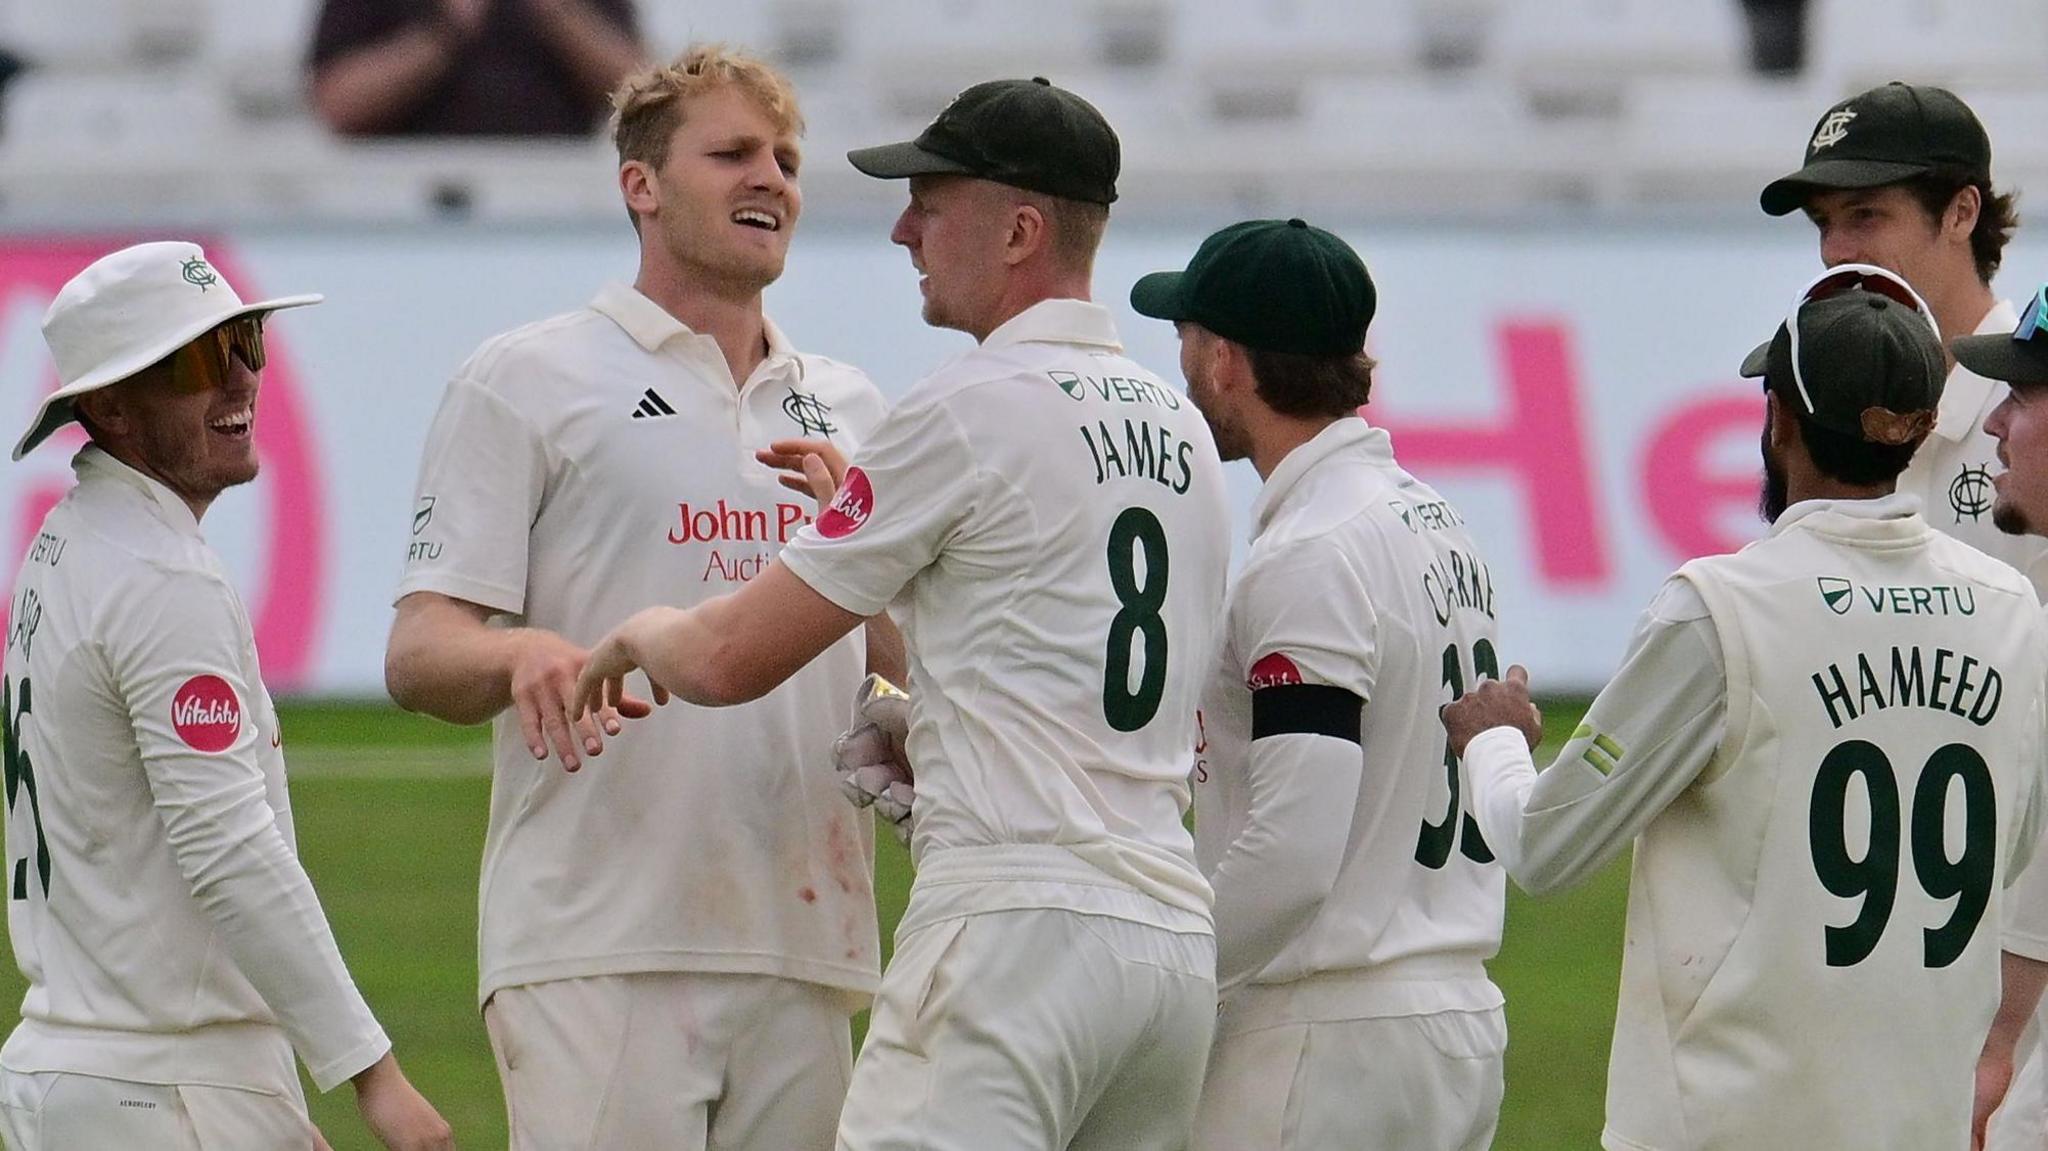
x=470, y=67
x=1777, y=36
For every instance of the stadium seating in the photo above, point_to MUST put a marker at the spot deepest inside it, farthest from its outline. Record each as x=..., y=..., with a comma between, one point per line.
x=1407, y=105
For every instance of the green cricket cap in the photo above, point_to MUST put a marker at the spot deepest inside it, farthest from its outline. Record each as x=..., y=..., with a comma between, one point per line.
x=1275, y=285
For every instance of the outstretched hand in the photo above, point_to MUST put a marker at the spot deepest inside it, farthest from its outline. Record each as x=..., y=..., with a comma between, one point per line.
x=813, y=467
x=544, y=668
x=1494, y=703
x=601, y=688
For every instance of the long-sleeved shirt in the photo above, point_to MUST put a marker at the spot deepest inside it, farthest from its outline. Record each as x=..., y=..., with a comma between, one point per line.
x=1329, y=818
x=156, y=902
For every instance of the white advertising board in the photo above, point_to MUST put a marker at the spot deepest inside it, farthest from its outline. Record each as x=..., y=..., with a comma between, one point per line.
x=1573, y=389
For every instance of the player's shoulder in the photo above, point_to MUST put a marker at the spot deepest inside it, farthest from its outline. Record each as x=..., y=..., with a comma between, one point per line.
x=521, y=356
x=1348, y=503
x=118, y=552
x=1966, y=563
x=1287, y=562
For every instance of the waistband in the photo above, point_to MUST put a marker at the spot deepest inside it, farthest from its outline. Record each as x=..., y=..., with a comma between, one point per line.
x=956, y=881
x=1417, y=985
x=248, y=1056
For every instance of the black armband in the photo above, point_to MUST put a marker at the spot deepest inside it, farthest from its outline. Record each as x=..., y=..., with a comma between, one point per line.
x=1306, y=709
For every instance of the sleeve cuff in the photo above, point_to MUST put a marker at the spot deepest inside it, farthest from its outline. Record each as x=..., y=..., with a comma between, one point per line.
x=333, y=1073
x=1495, y=748
x=806, y=568
x=494, y=596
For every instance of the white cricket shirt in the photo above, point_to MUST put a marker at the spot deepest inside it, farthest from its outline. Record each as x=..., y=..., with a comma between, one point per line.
x=1826, y=750
x=1048, y=519
x=583, y=468
x=1360, y=578
x=1951, y=473
x=156, y=902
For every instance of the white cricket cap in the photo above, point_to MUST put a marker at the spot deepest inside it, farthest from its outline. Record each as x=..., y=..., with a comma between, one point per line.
x=126, y=311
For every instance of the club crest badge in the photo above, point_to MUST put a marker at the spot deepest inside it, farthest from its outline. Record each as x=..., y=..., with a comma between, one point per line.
x=1969, y=494
x=1833, y=128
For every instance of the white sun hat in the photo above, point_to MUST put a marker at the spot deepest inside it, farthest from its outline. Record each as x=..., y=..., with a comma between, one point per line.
x=126, y=311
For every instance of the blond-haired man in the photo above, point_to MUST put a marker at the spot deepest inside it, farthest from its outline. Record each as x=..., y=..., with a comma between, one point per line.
x=1048, y=519
x=668, y=958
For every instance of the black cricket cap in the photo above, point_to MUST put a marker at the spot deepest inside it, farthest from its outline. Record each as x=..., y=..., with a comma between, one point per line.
x=1870, y=367
x=1274, y=285
x=2020, y=358
x=1883, y=136
x=1028, y=134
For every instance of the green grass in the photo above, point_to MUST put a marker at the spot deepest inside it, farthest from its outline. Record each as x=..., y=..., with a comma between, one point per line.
x=391, y=809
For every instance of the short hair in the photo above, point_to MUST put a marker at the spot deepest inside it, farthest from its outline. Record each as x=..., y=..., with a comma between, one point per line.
x=647, y=106
x=1075, y=226
x=1846, y=458
x=1306, y=386
x=1936, y=189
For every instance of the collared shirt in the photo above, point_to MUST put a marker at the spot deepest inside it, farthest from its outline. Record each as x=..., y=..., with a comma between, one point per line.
x=1048, y=520
x=1826, y=750
x=580, y=469
x=157, y=905
x=1362, y=579
x=1951, y=473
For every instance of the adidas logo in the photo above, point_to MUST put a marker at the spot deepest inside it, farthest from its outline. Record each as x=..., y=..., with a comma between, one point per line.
x=652, y=406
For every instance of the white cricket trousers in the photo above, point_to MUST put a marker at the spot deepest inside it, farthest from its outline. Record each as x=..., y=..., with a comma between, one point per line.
x=1281, y=1082
x=60, y=1111
x=666, y=1061
x=1035, y=1030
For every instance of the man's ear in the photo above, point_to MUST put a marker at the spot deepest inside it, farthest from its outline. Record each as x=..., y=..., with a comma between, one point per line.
x=103, y=410
x=1780, y=428
x=1028, y=233
x=1961, y=217
x=1233, y=365
x=637, y=186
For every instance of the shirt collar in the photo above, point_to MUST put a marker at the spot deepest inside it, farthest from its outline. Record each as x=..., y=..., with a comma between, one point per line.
x=95, y=467
x=1343, y=434
x=1896, y=506
x=1964, y=392
x=1058, y=322
x=650, y=325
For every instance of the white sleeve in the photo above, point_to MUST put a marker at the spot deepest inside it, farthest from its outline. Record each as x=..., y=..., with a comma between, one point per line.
x=482, y=477
x=1310, y=661
x=181, y=642
x=1646, y=738
x=911, y=487
x=2025, y=929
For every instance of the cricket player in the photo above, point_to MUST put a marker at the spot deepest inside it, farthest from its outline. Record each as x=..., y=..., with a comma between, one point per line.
x=670, y=950
x=2020, y=425
x=1825, y=749
x=175, y=953
x=1356, y=904
x=1900, y=177
x=1048, y=518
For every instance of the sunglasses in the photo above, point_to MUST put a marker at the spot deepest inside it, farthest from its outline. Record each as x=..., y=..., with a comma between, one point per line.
x=1850, y=278
x=2034, y=321
x=203, y=364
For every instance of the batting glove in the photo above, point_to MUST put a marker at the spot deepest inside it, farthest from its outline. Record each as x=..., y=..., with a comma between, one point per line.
x=873, y=769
